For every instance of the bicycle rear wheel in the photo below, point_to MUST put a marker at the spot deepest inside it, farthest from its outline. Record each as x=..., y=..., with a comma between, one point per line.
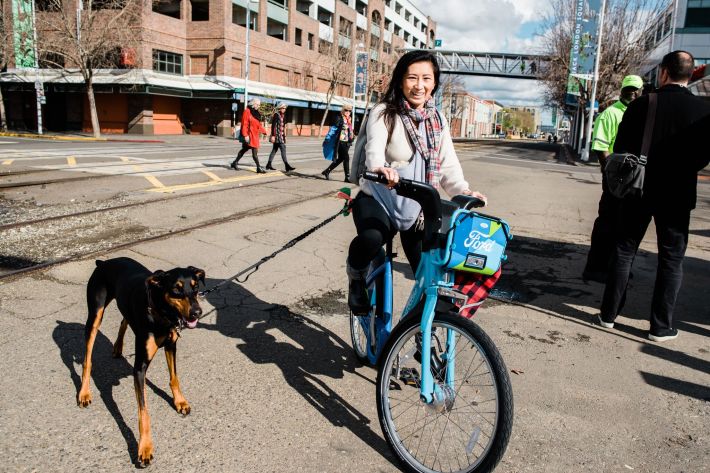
x=470, y=431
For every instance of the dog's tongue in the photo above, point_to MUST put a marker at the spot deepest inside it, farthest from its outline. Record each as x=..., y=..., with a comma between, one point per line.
x=191, y=323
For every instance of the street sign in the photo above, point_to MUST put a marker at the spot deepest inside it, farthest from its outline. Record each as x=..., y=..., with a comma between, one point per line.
x=239, y=90
x=437, y=43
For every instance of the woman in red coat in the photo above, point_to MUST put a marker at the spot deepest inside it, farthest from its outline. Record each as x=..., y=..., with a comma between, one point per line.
x=251, y=129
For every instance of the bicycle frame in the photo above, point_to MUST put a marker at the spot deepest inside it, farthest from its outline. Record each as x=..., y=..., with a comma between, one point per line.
x=430, y=278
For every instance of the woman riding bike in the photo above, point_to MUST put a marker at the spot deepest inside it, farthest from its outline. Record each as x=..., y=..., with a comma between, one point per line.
x=408, y=138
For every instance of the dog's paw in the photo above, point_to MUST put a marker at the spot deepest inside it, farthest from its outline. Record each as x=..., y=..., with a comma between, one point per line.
x=183, y=407
x=145, y=453
x=83, y=399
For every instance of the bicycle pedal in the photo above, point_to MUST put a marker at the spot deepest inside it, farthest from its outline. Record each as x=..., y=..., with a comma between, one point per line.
x=409, y=376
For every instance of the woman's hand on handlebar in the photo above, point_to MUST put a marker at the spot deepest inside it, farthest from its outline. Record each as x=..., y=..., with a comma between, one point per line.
x=389, y=173
x=476, y=194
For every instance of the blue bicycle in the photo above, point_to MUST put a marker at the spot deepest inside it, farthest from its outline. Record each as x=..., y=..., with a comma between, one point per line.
x=444, y=398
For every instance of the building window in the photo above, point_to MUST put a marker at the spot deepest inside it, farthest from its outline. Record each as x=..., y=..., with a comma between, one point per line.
x=281, y=3
x=407, y=15
x=325, y=17
x=164, y=61
x=397, y=30
x=276, y=29
x=166, y=7
x=397, y=8
x=388, y=24
x=298, y=33
x=698, y=14
x=406, y=36
x=239, y=17
x=311, y=41
x=346, y=2
x=361, y=7
x=346, y=27
x=200, y=10
x=304, y=6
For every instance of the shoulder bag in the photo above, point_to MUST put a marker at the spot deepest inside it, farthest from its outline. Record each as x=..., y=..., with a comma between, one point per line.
x=625, y=172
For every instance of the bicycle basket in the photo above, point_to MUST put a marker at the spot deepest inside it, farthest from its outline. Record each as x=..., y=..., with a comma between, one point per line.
x=476, y=242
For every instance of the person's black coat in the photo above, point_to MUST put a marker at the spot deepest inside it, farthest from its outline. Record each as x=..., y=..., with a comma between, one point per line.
x=275, y=126
x=679, y=146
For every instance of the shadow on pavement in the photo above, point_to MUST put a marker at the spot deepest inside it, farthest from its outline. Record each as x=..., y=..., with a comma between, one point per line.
x=316, y=353
x=547, y=274
x=105, y=374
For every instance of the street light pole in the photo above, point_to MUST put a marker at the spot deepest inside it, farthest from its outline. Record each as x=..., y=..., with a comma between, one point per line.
x=39, y=88
x=246, y=68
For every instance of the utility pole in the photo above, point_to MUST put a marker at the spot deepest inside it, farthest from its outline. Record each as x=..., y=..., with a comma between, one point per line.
x=39, y=87
x=593, y=98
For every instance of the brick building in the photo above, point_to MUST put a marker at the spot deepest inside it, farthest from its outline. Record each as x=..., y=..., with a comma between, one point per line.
x=189, y=64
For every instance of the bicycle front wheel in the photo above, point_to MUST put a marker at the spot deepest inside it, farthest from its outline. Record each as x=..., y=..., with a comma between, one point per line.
x=470, y=429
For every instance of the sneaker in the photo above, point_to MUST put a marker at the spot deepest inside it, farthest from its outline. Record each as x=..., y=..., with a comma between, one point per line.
x=663, y=335
x=604, y=323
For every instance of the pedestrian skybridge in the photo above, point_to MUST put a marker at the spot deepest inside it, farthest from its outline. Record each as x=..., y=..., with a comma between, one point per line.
x=514, y=66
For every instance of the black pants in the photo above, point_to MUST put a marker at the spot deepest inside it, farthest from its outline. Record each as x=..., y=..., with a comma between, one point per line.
x=374, y=228
x=343, y=157
x=604, y=232
x=672, y=235
x=254, y=153
x=278, y=146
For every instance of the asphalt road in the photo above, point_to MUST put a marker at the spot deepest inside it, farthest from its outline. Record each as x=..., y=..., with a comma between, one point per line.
x=270, y=374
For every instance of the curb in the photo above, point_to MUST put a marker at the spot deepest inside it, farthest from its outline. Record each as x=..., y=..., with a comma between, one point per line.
x=74, y=138
x=50, y=137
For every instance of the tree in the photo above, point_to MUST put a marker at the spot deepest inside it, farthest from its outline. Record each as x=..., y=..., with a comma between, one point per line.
x=622, y=51
x=95, y=37
x=5, y=42
x=337, y=64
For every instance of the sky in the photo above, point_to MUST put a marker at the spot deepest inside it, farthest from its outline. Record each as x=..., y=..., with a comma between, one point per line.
x=491, y=26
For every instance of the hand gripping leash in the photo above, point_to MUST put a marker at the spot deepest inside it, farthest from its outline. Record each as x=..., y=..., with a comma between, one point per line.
x=343, y=193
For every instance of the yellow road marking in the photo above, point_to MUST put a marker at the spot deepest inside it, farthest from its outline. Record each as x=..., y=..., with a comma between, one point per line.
x=7, y=162
x=154, y=180
x=212, y=176
x=125, y=159
x=71, y=161
x=199, y=185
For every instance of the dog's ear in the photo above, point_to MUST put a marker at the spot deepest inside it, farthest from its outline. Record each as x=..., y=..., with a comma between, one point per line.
x=155, y=279
x=198, y=273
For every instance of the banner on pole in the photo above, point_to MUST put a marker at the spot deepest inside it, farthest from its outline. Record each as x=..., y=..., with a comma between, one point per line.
x=23, y=34
x=584, y=43
x=361, y=73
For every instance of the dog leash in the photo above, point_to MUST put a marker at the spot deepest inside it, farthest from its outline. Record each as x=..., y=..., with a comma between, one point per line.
x=343, y=193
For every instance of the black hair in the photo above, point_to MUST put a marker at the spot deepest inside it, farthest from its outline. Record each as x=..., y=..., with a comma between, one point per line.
x=392, y=99
x=679, y=65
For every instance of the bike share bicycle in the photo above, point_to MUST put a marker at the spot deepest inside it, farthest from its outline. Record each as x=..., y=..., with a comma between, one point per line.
x=444, y=398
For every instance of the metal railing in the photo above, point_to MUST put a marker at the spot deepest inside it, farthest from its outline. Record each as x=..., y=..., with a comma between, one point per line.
x=519, y=66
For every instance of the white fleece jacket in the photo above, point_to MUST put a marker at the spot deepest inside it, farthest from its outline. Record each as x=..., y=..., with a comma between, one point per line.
x=400, y=150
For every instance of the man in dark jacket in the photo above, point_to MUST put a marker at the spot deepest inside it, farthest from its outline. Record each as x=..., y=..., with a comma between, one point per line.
x=278, y=137
x=678, y=151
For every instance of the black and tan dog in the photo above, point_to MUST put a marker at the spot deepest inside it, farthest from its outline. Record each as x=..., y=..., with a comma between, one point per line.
x=156, y=305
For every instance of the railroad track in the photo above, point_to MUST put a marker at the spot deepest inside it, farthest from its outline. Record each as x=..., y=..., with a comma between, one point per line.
x=252, y=212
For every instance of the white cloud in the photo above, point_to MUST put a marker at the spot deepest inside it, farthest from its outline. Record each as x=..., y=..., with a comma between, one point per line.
x=490, y=26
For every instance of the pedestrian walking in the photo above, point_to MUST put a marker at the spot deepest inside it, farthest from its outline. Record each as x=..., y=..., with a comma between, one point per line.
x=406, y=137
x=345, y=136
x=250, y=134
x=603, y=238
x=678, y=151
x=278, y=137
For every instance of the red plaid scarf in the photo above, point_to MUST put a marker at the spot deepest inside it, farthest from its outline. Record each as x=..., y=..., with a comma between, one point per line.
x=476, y=288
x=427, y=146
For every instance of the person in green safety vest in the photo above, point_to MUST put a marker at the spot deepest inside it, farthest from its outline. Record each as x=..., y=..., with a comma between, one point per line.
x=603, y=234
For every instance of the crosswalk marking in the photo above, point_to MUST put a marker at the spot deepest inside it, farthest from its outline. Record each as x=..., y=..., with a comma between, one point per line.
x=7, y=162
x=212, y=175
x=71, y=161
x=154, y=180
